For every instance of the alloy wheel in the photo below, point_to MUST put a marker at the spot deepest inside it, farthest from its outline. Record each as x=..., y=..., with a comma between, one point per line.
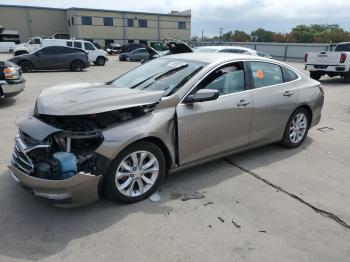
x=298, y=127
x=137, y=173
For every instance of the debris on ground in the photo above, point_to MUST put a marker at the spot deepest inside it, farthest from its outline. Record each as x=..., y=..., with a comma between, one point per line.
x=208, y=203
x=221, y=219
x=262, y=231
x=195, y=195
x=175, y=195
x=210, y=226
x=155, y=197
x=237, y=202
x=325, y=129
x=235, y=224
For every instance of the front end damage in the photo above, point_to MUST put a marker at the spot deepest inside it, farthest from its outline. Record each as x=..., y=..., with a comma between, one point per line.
x=56, y=158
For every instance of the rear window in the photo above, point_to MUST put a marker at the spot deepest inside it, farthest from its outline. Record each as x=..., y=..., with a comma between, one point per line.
x=266, y=74
x=342, y=48
x=288, y=75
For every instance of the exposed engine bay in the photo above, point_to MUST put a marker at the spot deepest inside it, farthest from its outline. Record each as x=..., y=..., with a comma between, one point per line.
x=63, y=154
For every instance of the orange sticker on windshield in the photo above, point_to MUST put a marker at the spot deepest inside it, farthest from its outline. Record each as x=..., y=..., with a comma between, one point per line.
x=260, y=74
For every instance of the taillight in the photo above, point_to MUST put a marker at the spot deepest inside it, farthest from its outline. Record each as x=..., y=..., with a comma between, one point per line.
x=321, y=89
x=343, y=57
x=305, y=57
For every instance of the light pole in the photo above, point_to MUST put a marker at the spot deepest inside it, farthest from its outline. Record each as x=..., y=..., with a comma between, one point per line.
x=220, y=31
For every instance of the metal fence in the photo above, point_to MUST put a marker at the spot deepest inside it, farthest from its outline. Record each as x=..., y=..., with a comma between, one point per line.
x=280, y=51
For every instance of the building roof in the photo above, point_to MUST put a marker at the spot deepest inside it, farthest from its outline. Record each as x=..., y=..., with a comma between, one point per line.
x=186, y=13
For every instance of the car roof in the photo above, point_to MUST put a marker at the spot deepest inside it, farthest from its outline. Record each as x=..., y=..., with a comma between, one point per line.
x=214, y=57
x=226, y=47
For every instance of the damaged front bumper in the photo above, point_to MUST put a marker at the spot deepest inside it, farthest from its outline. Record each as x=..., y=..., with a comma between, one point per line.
x=78, y=190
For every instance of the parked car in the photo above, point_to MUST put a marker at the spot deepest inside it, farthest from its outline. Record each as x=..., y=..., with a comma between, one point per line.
x=174, y=46
x=230, y=49
x=131, y=47
x=332, y=63
x=96, y=56
x=53, y=58
x=113, y=49
x=11, y=80
x=120, y=138
x=136, y=55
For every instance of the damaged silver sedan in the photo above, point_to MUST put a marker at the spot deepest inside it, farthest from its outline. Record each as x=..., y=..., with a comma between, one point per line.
x=122, y=137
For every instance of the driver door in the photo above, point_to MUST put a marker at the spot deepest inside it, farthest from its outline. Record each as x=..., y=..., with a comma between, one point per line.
x=210, y=128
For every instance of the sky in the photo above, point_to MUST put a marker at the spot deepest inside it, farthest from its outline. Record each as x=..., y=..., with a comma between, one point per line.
x=209, y=16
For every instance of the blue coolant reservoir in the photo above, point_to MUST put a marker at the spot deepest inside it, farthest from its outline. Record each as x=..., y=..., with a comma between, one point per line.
x=67, y=163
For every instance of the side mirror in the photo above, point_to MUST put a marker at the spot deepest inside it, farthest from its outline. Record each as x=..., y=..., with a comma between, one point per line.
x=202, y=95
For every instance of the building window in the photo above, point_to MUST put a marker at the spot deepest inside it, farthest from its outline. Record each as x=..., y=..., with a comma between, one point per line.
x=181, y=25
x=142, y=23
x=72, y=20
x=86, y=20
x=108, y=21
x=131, y=41
x=130, y=22
x=108, y=42
x=68, y=23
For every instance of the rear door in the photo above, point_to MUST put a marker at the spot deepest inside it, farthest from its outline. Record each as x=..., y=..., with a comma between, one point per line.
x=210, y=128
x=275, y=95
x=46, y=58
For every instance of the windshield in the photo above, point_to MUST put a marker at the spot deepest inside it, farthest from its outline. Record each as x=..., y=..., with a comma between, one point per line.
x=161, y=74
x=205, y=50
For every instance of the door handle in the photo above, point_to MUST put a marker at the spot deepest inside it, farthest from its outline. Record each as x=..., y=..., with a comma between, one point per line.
x=288, y=93
x=243, y=103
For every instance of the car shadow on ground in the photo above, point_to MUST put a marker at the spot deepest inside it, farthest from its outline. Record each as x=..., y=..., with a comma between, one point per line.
x=6, y=102
x=38, y=230
x=335, y=81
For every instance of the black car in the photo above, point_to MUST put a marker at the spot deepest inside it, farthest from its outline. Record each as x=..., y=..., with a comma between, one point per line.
x=53, y=58
x=131, y=47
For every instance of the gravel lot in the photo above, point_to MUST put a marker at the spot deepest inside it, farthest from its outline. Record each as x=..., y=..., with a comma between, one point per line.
x=270, y=204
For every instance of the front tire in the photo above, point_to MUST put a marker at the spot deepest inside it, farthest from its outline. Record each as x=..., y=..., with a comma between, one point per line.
x=26, y=66
x=128, y=59
x=297, y=128
x=135, y=173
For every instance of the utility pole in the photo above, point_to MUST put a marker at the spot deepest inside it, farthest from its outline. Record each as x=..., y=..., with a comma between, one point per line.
x=202, y=35
x=220, y=32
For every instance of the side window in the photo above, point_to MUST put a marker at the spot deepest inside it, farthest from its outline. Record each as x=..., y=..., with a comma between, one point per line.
x=342, y=48
x=288, y=75
x=78, y=45
x=88, y=46
x=227, y=80
x=266, y=74
x=69, y=43
x=37, y=41
x=52, y=50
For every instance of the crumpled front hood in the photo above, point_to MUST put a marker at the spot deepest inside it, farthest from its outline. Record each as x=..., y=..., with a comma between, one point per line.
x=91, y=98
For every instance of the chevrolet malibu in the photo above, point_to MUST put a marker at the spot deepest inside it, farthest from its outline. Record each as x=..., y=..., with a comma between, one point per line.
x=122, y=137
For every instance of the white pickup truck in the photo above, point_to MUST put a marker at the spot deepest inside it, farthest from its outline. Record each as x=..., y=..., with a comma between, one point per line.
x=331, y=63
x=98, y=57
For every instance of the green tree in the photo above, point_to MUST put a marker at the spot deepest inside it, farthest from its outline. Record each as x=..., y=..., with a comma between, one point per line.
x=262, y=35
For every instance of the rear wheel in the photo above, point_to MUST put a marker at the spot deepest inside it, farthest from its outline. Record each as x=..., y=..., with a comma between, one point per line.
x=26, y=66
x=135, y=173
x=77, y=66
x=297, y=128
x=315, y=75
x=100, y=61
